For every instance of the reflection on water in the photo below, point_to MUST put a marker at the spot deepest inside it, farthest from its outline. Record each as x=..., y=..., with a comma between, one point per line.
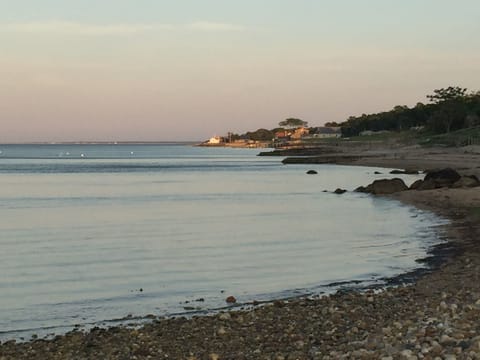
x=100, y=238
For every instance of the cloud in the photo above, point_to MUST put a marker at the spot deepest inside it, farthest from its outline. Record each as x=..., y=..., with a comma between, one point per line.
x=74, y=28
x=213, y=26
x=86, y=29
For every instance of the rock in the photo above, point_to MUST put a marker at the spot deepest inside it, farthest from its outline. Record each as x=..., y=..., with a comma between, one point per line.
x=386, y=186
x=466, y=181
x=231, y=299
x=377, y=172
x=311, y=172
x=405, y=172
x=362, y=189
x=340, y=191
x=443, y=177
x=427, y=185
x=416, y=185
x=224, y=316
x=221, y=331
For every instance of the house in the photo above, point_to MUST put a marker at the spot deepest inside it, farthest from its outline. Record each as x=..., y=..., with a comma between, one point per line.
x=325, y=132
x=300, y=133
x=283, y=135
x=216, y=140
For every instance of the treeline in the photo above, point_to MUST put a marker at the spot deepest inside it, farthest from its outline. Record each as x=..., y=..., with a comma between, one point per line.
x=449, y=109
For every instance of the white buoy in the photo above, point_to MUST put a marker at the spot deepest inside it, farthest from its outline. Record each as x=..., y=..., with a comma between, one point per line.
x=82, y=155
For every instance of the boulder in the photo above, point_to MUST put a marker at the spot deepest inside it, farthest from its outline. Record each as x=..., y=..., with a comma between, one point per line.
x=340, y=191
x=416, y=185
x=231, y=299
x=311, y=172
x=361, y=189
x=405, y=172
x=386, y=186
x=443, y=177
x=466, y=181
x=429, y=184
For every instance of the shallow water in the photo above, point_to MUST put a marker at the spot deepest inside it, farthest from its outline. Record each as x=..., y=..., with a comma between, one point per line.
x=148, y=229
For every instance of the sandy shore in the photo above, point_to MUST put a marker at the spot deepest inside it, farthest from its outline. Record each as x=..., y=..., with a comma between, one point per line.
x=436, y=317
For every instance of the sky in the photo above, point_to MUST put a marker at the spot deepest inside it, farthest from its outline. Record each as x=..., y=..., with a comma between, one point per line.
x=160, y=70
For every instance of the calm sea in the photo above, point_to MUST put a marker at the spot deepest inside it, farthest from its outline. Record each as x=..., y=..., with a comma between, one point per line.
x=90, y=234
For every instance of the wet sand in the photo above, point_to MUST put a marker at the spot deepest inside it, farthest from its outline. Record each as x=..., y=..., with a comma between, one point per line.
x=435, y=317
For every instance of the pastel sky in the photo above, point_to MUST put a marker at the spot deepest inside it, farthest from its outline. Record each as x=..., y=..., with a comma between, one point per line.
x=110, y=70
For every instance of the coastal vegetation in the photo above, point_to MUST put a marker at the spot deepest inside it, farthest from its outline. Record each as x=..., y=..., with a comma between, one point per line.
x=450, y=118
x=449, y=109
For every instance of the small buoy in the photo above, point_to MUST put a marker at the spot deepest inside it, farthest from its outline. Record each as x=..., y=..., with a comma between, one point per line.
x=82, y=155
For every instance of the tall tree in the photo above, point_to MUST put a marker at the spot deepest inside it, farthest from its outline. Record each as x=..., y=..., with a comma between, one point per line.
x=292, y=123
x=447, y=94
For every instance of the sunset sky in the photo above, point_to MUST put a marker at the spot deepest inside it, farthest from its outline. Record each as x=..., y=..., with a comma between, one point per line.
x=92, y=70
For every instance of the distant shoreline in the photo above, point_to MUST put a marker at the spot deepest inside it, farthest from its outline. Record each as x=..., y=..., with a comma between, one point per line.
x=105, y=143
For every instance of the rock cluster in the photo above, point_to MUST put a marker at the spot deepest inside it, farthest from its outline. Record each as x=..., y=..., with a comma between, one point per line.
x=384, y=186
x=433, y=180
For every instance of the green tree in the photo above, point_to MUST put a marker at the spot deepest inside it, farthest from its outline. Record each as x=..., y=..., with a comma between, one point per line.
x=451, y=93
x=292, y=123
x=260, y=135
x=332, y=124
x=451, y=110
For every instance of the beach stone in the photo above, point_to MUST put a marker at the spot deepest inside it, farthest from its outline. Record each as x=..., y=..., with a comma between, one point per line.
x=416, y=184
x=405, y=172
x=340, y=191
x=427, y=185
x=231, y=299
x=224, y=316
x=311, y=172
x=467, y=181
x=221, y=331
x=361, y=189
x=443, y=177
x=386, y=186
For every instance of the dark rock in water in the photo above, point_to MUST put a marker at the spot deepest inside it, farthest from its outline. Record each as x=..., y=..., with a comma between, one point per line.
x=405, y=172
x=312, y=172
x=427, y=185
x=377, y=172
x=231, y=300
x=443, y=177
x=416, y=185
x=362, y=189
x=386, y=186
x=340, y=191
x=466, y=181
